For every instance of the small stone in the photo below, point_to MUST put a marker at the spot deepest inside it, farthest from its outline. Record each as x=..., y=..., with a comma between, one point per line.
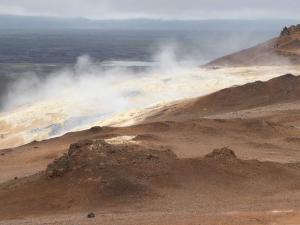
x=91, y=215
x=16, y=178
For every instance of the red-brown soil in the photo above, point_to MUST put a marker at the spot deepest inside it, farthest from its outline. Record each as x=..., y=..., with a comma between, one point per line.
x=167, y=172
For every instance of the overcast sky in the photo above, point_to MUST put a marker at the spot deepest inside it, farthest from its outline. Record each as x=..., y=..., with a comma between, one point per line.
x=156, y=9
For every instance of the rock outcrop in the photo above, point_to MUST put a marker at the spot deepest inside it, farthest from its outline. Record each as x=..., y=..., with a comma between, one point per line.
x=294, y=29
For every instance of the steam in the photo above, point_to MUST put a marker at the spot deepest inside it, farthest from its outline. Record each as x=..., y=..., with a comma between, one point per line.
x=91, y=91
x=92, y=86
x=85, y=86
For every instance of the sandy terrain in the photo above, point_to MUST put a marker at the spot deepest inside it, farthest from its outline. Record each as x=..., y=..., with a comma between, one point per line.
x=129, y=179
x=157, y=218
x=230, y=157
x=163, y=170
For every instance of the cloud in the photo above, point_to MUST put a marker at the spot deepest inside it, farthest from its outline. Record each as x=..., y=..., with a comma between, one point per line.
x=163, y=9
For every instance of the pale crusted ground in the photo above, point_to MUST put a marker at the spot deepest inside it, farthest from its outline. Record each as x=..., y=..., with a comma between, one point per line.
x=38, y=121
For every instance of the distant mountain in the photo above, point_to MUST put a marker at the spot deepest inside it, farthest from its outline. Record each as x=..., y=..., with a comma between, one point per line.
x=35, y=22
x=282, y=50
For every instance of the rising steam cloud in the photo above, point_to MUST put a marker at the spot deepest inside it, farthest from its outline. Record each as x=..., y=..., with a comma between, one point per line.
x=93, y=86
x=91, y=91
x=79, y=96
x=86, y=85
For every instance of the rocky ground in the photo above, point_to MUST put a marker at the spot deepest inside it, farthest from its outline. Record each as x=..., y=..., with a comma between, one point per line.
x=210, y=160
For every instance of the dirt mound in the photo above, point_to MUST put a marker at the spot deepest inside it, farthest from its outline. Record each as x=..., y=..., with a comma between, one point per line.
x=96, y=175
x=223, y=154
x=92, y=173
x=121, y=169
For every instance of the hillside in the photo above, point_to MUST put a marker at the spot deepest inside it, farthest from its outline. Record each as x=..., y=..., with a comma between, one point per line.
x=284, y=89
x=227, y=157
x=282, y=50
